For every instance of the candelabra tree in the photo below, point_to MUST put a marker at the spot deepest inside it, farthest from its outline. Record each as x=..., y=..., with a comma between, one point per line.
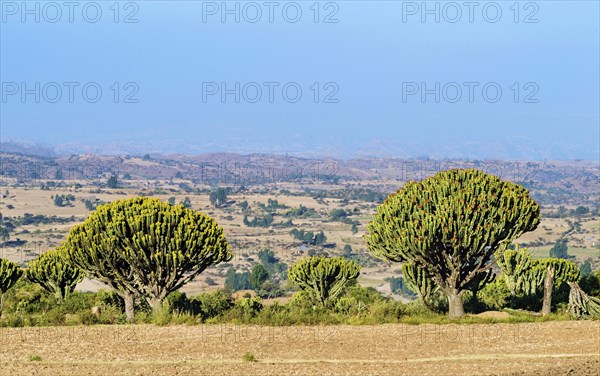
x=323, y=279
x=450, y=225
x=144, y=247
x=55, y=273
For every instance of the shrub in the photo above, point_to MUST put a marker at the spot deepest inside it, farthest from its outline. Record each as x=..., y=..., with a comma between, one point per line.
x=251, y=306
x=591, y=283
x=495, y=295
x=248, y=357
x=212, y=304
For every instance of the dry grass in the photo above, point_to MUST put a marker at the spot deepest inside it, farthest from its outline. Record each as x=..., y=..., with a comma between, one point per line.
x=551, y=348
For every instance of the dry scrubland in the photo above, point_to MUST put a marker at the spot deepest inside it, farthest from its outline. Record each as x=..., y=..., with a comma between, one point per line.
x=246, y=241
x=550, y=348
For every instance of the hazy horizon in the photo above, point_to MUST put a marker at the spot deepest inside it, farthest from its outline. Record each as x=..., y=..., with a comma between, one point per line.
x=389, y=79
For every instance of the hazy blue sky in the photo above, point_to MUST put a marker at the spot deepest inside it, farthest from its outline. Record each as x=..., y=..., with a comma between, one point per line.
x=373, y=62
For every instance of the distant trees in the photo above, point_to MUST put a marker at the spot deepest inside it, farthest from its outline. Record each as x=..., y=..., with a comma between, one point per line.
x=562, y=212
x=337, y=214
x=244, y=205
x=4, y=230
x=449, y=225
x=264, y=221
x=63, y=200
x=112, y=182
x=323, y=279
x=272, y=205
x=301, y=212
x=145, y=247
x=258, y=276
x=4, y=233
x=347, y=251
x=89, y=205
x=237, y=281
x=218, y=197
x=92, y=204
x=559, y=250
x=398, y=286
x=586, y=268
x=187, y=203
x=308, y=237
x=266, y=256
x=9, y=275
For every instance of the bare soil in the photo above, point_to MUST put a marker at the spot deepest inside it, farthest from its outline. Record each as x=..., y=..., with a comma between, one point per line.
x=552, y=348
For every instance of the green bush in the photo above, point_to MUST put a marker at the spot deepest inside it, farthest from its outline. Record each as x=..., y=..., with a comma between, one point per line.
x=591, y=283
x=212, y=304
x=110, y=298
x=251, y=306
x=495, y=295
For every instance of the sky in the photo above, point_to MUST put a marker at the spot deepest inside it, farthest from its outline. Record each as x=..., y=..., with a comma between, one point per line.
x=505, y=79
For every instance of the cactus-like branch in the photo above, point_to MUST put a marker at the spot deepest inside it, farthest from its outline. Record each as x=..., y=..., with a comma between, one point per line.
x=324, y=279
x=53, y=271
x=581, y=305
x=9, y=275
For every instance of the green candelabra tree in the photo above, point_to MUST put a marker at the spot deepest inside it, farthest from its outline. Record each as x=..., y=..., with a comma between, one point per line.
x=323, y=279
x=9, y=275
x=145, y=247
x=450, y=225
x=55, y=273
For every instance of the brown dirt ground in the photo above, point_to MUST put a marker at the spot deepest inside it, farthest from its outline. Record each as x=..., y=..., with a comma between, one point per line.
x=552, y=348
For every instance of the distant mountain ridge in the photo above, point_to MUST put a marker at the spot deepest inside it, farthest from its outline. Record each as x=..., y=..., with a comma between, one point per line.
x=513, y=148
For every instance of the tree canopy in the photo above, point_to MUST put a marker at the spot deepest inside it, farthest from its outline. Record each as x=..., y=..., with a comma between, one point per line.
x=53, y=271
x=322, y=278
x=450, y=225
x=147, y=247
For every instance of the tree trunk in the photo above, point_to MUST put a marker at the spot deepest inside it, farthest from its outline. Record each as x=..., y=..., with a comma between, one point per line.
x=548, y=287
x=128, y=298
x=156, y=304
x=455, y=304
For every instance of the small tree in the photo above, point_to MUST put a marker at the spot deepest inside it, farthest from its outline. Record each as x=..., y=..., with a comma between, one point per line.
x=347, y=251
x=258, y=276
x=187, y=203
x=586, y=268
x=323, y=279
x=450, y=225
x=559, y=250
x=9, y=275
x=112, y=182
x=218, y=197
x=553, y=272
x=267, y=256
x=581, y=210
x=53, y=271
x=515, y=265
